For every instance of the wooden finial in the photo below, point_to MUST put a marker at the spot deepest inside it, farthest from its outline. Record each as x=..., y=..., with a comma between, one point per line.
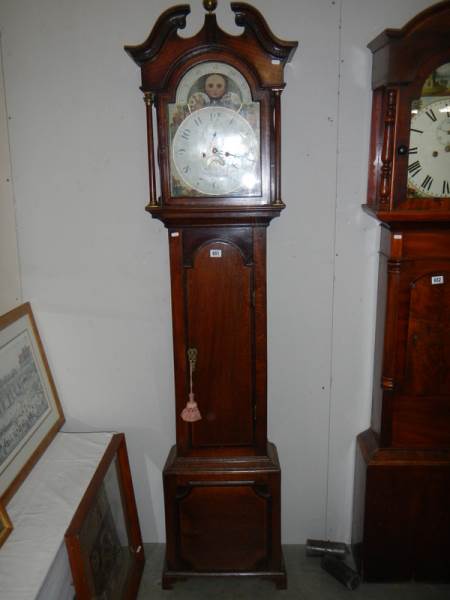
x=210, y=5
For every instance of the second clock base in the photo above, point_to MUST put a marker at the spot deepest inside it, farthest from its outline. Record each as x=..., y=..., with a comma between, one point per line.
x=401, y=526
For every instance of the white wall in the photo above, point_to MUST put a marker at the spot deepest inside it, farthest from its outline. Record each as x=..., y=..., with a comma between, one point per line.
x=95, y=266
x=10, y=291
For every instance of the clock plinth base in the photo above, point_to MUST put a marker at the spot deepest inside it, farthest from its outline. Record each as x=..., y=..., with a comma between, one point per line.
x=401, y=523
x=169, y=578
x=223, y=517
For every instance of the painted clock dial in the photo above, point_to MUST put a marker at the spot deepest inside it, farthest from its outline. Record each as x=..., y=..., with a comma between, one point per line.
x=215, y=152
x=429, y=147
x=214, y=134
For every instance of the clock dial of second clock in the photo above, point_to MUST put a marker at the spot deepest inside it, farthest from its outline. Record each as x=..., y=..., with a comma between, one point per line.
x=429, y=152
x=429, y=144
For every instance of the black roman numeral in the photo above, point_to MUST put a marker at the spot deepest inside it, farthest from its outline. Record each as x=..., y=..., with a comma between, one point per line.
x=186, y=169
x=431, y=115
x=426, y=183
x=445, y=187
x=414, y=168
x=198, y=121
x=186, y=133
x=413, y=150
x=416, y=130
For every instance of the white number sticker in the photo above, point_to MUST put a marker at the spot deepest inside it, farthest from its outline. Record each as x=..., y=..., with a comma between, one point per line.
x=215, y=253
x=437, y=279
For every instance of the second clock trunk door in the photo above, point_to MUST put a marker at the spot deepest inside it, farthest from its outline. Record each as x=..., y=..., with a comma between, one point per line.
x=220, y=325
x=428, y=349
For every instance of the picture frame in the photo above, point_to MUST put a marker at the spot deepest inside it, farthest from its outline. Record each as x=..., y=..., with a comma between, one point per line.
x=5, y=525
x=30, y=410
x=103, y=540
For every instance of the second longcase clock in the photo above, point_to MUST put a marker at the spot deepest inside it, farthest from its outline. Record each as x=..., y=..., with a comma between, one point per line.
x=217, y=99
x=402, y=489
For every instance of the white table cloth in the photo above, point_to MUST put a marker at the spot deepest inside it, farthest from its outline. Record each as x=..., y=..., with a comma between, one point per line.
x=33, y=560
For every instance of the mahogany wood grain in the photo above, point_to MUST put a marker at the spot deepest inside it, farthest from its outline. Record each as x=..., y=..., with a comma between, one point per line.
x=219, y=307
x=376, y=142
x=153, y=200
x=260, y=329
x=277, y=148
x=164, y=48
x=180, y=346
x=207, y=511
x=402, y=512
x=416, y=403
x=234, y=500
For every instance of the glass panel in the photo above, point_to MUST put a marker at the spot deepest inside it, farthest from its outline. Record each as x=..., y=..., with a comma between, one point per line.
x=214, y=134
x=104, y=538
x=429, y=145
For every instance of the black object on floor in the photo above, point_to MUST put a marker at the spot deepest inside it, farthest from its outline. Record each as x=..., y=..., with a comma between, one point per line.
x=341, y=571
x=321, y=547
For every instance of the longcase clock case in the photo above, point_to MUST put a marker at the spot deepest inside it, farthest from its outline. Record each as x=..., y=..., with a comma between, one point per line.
x=222, y=478
x=401, y=526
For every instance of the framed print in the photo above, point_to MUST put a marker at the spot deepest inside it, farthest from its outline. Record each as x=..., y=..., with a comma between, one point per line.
x=5, y=525
x=104, y=540
x=30, y=411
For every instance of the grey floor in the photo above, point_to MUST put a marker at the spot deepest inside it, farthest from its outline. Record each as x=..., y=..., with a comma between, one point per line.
x=306, y=581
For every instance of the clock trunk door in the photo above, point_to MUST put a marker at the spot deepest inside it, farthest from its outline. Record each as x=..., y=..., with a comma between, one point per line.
x=428, y=347
x=219, y=311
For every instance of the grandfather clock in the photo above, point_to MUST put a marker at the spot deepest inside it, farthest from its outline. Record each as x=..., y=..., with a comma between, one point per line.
x=217, y=102
x=401, y=526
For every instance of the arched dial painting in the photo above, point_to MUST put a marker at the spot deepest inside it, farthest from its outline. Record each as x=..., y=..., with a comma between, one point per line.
x=214, y=134
x=429, y=145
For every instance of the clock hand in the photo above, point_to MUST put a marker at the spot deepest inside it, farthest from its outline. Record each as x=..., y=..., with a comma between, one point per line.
x=240, y=156
x=213, y=141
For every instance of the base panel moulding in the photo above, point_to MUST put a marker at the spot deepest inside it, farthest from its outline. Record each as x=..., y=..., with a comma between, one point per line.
x=223, y=517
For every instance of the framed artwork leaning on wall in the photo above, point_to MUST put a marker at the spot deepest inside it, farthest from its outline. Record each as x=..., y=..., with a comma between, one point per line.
x=30, y=411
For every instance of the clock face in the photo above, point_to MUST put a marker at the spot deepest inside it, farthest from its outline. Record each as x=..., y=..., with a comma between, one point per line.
x=429, y=151
x=214, y=134
x=429, y=145
x=215, y=152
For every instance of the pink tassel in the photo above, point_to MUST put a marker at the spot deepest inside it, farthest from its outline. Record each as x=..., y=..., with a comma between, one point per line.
x=190, y=412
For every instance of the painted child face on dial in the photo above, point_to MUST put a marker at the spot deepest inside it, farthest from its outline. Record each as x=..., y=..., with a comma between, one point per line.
x=215, y=86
